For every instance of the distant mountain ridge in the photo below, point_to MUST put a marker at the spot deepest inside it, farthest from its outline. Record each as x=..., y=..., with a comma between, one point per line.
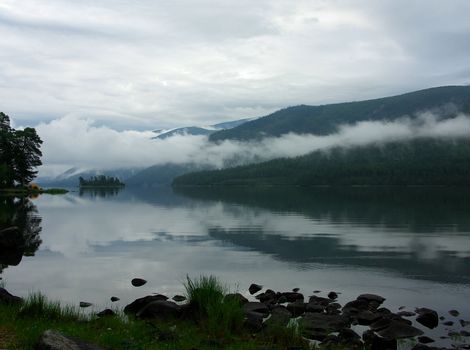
x=199, y=130
x=324, y=119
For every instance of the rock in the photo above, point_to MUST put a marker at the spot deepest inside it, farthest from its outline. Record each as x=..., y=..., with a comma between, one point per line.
x=454, y=313
x=397, y=330
x=140, y=303
x=406, y=313
x=253, y=321
x=179, y=298
x=237, y=297
x=424, y=347
x=269, y=297
x=371, y=297
x=293, y=296
x=348, y=334
x=85, y=304
x=106, y=312
x=254, y=288
x=138, y=282
x=114, y=299
x=427, y=317
x=282, y=299
x=161, y=309
x=375, y=342
x=255, y=307
x=425, y=340
x=465, y=333
x=280, y=316
x=332, y=295
x=295, y=290
x=453, y=334
x=7, y=298
x=355, y=306
x=319, y=300
x=317, y=326
x=316, y=291
x=52, y=340
x=442, y=318
x=297, y=308
x=448, y=323
x=311, y=307
x=464, y=323
x=333, y=309
x=366, y=317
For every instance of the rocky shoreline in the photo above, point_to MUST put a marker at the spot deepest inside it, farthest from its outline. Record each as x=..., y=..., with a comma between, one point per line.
x=362, y=323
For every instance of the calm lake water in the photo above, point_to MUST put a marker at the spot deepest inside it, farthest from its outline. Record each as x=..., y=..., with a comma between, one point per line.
x=410, y=245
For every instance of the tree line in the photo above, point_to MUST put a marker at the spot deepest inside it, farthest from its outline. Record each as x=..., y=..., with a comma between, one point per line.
x=100, y=181
x=20, y=154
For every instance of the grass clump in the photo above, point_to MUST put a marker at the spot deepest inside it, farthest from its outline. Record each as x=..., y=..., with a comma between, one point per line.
x=38, y=306
x=221, y=317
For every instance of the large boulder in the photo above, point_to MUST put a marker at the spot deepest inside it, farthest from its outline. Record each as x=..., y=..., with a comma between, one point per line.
x=53, y=340
x=161, y=309
x=398, y=330
x=7, y=298
x=12, y=246
x=140, y=303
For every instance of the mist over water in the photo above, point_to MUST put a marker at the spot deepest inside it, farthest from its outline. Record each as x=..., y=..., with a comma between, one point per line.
x=76, y=142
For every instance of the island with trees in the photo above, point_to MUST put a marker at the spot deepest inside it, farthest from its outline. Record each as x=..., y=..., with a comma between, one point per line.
x=100, y=181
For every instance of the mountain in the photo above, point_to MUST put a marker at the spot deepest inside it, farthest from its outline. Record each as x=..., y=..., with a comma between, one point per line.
x=199, y=130
x=160, y=175
x=324, y=119
x=420, y=162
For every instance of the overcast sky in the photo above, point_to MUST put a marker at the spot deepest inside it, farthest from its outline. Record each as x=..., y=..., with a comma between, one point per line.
x=145, y=64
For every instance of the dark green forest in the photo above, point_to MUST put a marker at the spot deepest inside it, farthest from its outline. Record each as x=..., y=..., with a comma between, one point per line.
x=100, y=181
x=20, y=154
x=324, y=119
x=418, y=162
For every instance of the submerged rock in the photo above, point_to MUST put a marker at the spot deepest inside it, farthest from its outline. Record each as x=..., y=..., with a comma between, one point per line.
x=53, y=340
x=114, y=299
x=427, y=317
x=138, y=282
x=179, y=298
x=425, y=340
x=317, y=326
x=106, y=312
x=454, y=313
x=85, y=304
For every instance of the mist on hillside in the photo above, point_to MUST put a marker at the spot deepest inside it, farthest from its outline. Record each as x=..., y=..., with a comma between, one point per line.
x=77, y=142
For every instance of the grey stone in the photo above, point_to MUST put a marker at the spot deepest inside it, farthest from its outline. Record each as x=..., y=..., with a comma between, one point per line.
x=53, y=340
x=256, y=307
x=85, y=304
x=371, y=297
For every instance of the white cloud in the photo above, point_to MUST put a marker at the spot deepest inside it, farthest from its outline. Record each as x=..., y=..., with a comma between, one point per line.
x=72, y=141
x=151, y=64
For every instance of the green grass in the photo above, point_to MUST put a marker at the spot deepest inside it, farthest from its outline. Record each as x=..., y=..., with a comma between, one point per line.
x=217, y=323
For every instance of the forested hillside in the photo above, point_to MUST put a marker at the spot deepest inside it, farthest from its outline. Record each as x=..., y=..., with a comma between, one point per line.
x=417, y=162
x=322, y=120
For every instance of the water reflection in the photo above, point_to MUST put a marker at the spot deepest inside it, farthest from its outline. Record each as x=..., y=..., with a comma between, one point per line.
x=20, y=229
x=420, y=233
x=102, y=192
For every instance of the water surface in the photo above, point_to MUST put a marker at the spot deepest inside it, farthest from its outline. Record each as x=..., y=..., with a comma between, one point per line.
x=410, y=245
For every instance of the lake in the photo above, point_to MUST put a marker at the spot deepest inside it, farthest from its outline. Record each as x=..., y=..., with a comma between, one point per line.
x=411, y=246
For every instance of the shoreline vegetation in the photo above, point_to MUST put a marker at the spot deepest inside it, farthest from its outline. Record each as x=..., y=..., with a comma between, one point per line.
x=29, y=191
x=207, y=316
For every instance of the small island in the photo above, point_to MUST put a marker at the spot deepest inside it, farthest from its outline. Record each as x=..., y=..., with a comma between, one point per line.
x=100, y=181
